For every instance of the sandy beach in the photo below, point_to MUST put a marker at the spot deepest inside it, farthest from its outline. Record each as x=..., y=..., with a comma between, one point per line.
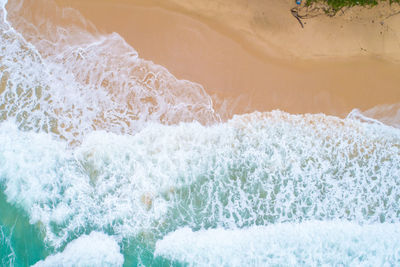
x=129, y=133
x=256, y=56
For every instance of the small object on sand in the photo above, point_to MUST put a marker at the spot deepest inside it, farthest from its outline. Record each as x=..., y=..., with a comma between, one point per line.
x=298, y=2
x=296, y=15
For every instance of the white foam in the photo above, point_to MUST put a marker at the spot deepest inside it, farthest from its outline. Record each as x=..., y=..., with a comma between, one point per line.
x=137, y=166
x=69, y=80
x=307, y=244
x=356, y=114
x=62, y=191
x=387, y=114
x=255, y=169
x=3, y=13
x=96, y=249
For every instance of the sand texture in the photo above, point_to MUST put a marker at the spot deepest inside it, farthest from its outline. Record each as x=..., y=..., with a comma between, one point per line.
x=269, y=26
x=254, y=55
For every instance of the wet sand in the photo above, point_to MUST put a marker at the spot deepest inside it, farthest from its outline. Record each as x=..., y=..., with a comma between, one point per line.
x=229, y=68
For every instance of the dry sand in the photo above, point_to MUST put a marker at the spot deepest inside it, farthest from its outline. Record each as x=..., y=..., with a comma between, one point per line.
x=269, y=27
x=258, y=51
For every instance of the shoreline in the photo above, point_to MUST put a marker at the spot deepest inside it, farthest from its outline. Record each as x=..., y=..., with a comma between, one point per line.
x=238, y=77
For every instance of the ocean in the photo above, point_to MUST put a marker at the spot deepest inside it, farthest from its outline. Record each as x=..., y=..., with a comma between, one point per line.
x=107, y=159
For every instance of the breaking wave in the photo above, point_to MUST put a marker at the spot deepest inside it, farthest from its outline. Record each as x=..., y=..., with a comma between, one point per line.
x=100, y=148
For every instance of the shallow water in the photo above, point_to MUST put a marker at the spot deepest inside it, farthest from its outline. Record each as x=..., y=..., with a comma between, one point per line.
x=107, y=159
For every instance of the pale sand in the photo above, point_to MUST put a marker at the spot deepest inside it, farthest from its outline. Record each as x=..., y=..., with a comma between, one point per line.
x=192, y=44
x=269, y=27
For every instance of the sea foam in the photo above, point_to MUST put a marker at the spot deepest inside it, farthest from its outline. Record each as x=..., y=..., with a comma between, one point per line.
x=95, y=249
x=95, y=139
x=256, y=169
x=330, y=243
x=65, y=78
x=387, y=114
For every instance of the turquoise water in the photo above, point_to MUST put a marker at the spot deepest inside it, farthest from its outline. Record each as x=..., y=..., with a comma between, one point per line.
x=107, y=159
x=21, y=243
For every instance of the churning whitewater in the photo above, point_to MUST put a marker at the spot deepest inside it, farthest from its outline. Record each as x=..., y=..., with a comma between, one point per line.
x=107, y=159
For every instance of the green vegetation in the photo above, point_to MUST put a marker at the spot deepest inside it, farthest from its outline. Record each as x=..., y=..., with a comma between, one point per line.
x=336, y=5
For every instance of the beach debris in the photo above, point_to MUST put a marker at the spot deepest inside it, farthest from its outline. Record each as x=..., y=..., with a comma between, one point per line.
x=295, y=14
